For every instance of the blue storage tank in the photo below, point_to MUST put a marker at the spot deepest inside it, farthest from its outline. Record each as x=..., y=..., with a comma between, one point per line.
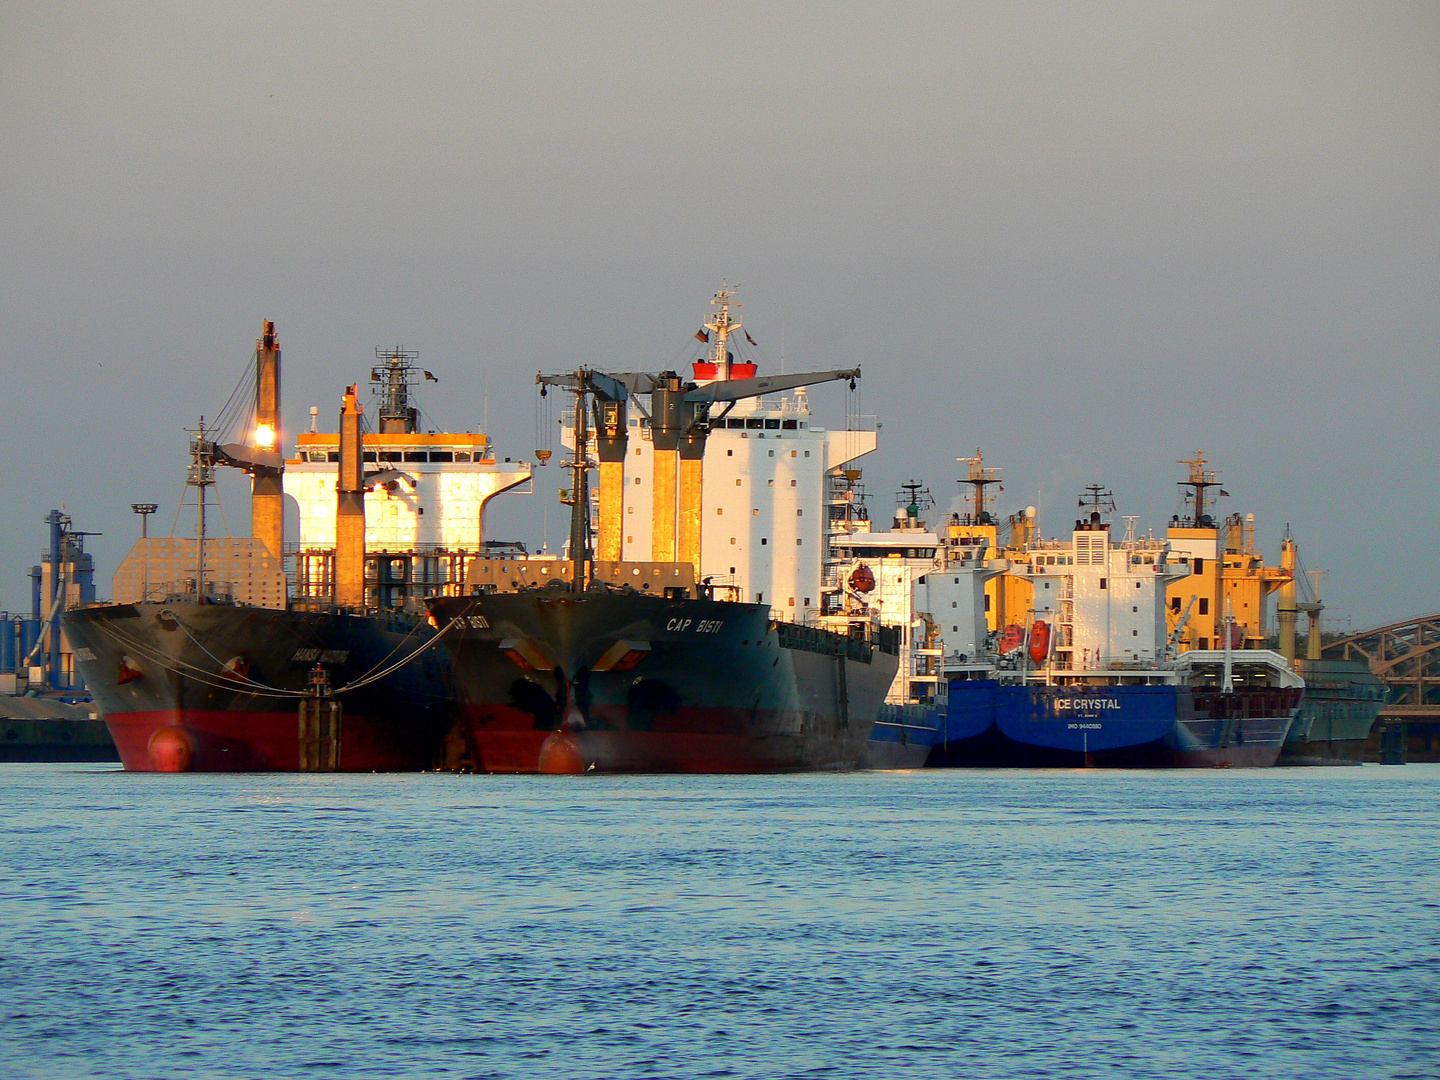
x=29, y=636
x=8, y=630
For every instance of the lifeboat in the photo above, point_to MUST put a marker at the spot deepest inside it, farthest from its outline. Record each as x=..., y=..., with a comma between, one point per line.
x=863, y=579
x=1039, y=641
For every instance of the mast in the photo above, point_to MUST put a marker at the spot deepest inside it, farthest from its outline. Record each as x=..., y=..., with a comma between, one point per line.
x=721, y=325
x=979, y=478
x=200, y=476
x=1100, y=501
x=1228, y=684
x=395, y=374
x=1198, y=481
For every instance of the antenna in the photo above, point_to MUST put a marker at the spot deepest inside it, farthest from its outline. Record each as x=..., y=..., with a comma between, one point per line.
x=915, y=498
x=1099, y=499
x=144, y=510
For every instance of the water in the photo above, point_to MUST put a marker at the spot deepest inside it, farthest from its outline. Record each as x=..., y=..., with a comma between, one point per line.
x=1279, y=923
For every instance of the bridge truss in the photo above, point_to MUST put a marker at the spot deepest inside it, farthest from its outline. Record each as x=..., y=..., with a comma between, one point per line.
x=1406, y=656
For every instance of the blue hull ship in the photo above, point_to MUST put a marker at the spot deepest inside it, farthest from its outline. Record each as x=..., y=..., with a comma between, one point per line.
x=904, y=736
x=1030, y=725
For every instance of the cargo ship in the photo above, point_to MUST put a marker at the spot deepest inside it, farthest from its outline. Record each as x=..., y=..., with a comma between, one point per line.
x=914, y=580
x=696, y=647
x=206, y=661
x=1343, y=697
x=1092, y=678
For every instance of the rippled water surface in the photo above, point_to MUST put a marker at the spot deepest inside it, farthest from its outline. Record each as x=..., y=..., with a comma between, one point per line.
x=1280, y=923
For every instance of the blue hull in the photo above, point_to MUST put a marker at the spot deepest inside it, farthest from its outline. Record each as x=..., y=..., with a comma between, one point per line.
x=1035, y=726
x=903, y=736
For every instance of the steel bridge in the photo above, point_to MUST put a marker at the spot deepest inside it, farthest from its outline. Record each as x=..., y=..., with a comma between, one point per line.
x=1406, y=656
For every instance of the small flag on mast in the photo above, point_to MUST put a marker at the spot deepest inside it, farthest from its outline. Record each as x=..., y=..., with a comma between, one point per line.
x=702, y=335
x=751, y=340
x=430, y=377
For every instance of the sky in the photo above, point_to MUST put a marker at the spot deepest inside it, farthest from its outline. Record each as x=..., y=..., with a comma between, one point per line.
x=1088, y=239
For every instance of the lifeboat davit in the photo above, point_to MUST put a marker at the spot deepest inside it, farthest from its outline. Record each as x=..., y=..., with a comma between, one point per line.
x=1039, y=641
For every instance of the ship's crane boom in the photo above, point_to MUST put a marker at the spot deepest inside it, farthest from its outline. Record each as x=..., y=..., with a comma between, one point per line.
x=679, y=423
x=1174, y=640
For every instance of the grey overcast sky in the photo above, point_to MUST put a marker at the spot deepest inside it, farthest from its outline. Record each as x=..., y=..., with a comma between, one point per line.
x=1087, y=238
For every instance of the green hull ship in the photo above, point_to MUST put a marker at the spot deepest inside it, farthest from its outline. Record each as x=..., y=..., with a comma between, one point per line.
x=1342, y=699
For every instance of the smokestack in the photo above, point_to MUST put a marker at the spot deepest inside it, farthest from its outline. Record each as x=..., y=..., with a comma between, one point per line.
x=267, y=495
x=350, y=509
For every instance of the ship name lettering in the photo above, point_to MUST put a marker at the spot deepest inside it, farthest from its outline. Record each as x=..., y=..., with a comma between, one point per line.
x=709, y=626
x=322, y=656
x=479, y=622
x=678, y=625
x=1084, y=727
x=1087, y=703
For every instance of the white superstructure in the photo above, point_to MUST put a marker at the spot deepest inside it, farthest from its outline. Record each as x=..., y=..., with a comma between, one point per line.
x=431, y=489
x=764, y=526
x=929, y=585
x=1103, y=601
x=773, y=489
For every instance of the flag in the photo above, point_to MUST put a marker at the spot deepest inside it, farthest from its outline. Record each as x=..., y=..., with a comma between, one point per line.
x=702, y=335
x=751, y=340
x=1225, y=493
x=430, y=377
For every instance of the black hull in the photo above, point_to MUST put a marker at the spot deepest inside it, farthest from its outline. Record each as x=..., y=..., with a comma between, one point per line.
x=551, y=681
x=185, y=687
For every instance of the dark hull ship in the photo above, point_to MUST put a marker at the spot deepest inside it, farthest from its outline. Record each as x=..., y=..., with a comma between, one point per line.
x=605, y=680
x=207, y=663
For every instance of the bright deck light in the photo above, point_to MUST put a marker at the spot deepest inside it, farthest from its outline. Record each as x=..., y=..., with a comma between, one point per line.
x=265, y=437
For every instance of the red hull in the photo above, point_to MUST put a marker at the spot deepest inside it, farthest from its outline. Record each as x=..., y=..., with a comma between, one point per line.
x=220, y=740
x=702, y=740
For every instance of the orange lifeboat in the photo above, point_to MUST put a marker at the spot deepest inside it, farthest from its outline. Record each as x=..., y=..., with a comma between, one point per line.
x=1039, y=641
x=1011, y=639
x=863, y=579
